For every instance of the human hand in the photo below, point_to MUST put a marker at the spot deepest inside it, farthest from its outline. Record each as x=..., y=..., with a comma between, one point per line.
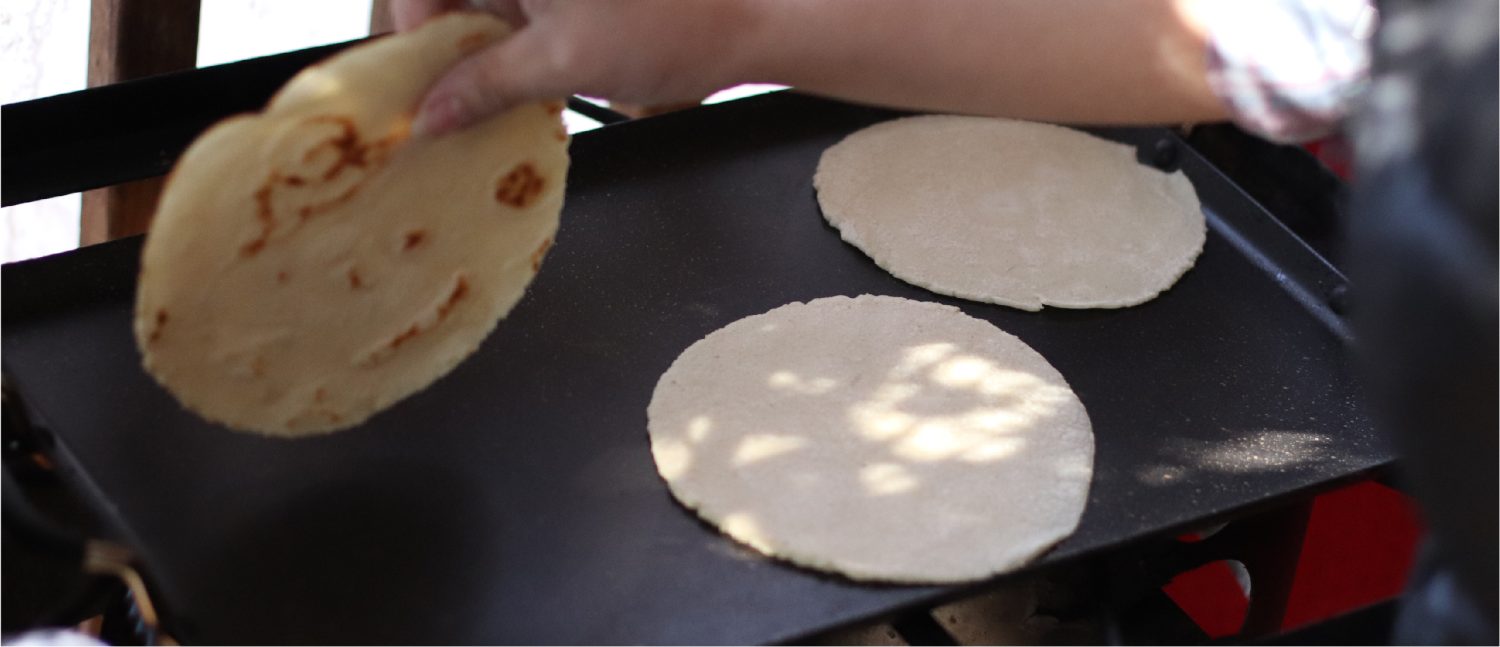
x=637, y=51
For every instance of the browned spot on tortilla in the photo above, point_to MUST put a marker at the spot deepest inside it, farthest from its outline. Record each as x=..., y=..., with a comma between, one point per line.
x=554, y=107
x=282, y=277
x=405, y=336
x=161, y=320
x=412, y=239
x=560, y=134
x=539, y=254
x=320, y=395
x=472, y=42
x=263, y=210
x=258, y=366
x=355, y=281
x=345, y=150
x=350, y=149
x=460, y=288
x=346, y=146
x=264, y=214
x=520, y=187
x=253, y=247
x=457, y=294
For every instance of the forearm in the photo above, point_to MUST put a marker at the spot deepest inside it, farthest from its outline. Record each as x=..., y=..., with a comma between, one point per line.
x=1079, y=61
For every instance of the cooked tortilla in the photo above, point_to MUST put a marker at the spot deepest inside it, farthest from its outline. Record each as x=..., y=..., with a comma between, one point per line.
x=312, y=264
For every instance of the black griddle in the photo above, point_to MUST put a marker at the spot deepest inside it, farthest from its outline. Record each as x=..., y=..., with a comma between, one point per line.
x=515, y=501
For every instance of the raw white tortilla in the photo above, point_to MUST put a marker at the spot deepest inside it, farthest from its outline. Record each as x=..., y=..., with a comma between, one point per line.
x=1011, y=212
x=310, y=265
x=877, y=437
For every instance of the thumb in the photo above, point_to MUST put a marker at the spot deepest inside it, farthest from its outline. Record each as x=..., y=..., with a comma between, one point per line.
x=495, y=79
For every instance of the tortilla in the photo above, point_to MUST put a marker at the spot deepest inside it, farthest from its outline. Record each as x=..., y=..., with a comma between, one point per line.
x=876, y=437
x=1010, y=212
x=310, y=265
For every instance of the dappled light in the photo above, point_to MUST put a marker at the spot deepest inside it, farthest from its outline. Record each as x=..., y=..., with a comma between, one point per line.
x=1259, y=450
x=1160, y=474
x=944, y=438
x=758, y=447
x=743, y=526
x=698, y=428
x=673, y=458
x=1237, y=452
x=881, y=479
x=970, y=416
x=935, y=403
x=792, y=382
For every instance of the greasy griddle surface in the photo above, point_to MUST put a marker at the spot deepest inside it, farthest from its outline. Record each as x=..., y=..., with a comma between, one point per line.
x=516, y=501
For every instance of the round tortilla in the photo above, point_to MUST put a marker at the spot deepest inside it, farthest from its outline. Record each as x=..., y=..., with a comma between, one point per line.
x=310, y=265
x=1011, y=212
x=876, y=437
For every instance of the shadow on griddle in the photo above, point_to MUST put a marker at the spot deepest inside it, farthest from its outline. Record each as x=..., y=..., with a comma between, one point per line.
x=387, y=558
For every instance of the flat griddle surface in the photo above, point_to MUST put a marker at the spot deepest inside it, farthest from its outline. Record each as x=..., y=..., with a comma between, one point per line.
x=516, y=501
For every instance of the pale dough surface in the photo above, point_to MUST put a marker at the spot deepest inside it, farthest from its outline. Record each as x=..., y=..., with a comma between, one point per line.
x=312, y=264
x=1011, y=212
x=876, y=437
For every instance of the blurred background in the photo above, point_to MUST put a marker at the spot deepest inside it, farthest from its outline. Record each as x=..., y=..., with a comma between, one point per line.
x=44, y=50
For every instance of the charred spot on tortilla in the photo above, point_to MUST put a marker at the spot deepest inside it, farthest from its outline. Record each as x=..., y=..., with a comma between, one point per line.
x=520, y=187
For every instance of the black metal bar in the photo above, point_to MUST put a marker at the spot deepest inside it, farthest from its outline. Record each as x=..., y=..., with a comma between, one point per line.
x=1371, y=625
x=38, y=533
x=1154, y=619
x=1293, y=184
x=127, y=131
x=1272, y=563
x=596, y=112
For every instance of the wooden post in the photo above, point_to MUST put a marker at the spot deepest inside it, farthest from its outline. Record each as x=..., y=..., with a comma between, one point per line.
x=130, y=39
x=380, y=17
